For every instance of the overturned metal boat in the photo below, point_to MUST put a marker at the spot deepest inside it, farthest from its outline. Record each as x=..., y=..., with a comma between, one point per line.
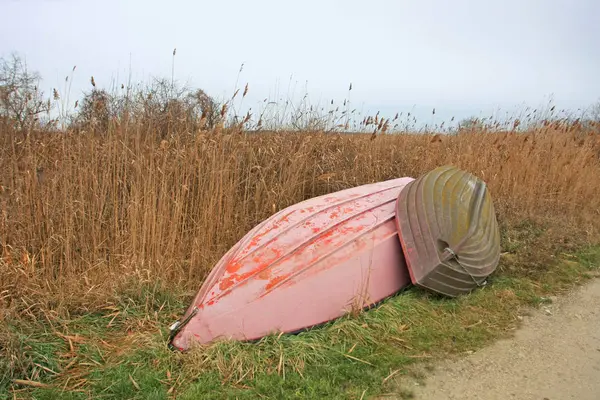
x=448, y=230
x=308, y=264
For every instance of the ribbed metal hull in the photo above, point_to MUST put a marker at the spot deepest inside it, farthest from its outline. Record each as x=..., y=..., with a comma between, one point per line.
x=448, y=230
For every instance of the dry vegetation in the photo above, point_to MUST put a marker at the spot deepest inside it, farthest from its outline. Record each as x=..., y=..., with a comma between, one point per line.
x=83, y=211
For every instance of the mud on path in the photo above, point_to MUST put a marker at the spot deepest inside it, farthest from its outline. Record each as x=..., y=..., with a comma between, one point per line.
x=554, y=355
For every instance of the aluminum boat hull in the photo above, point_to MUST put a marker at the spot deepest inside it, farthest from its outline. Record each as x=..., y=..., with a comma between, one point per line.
x=448, y=230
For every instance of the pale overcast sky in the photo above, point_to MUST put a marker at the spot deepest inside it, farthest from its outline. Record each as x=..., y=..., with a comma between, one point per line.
x=461, y=57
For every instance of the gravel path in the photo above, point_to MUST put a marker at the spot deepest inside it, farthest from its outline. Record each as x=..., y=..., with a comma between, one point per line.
x=554, y=355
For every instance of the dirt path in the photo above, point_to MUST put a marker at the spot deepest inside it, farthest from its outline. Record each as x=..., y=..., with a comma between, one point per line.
x=555, y=355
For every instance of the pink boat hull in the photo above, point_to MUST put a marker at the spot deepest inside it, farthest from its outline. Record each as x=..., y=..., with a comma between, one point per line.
x=308, y=264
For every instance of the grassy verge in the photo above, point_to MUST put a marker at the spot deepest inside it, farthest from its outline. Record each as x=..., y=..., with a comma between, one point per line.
x=121, y=352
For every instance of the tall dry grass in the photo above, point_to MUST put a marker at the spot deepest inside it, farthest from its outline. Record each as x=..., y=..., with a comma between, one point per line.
x=82, y=213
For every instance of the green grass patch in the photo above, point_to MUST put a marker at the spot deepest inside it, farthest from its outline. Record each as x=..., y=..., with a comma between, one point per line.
x=122, y=353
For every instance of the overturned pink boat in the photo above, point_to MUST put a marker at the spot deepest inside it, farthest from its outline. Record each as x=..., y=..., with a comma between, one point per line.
x=308, y=264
